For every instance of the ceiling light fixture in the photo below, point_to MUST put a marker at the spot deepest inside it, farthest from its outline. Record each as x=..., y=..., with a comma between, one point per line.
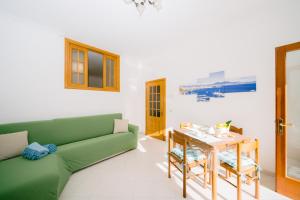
x=141, y=4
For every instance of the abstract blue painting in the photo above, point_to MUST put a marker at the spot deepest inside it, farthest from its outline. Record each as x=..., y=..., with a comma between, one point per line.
x=216, y=86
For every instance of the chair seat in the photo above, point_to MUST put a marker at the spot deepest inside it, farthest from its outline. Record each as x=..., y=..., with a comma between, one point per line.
x=230, y=158
x=192, y=155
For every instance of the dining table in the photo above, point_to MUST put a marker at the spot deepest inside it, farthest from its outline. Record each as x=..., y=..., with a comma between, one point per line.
x=211, y=143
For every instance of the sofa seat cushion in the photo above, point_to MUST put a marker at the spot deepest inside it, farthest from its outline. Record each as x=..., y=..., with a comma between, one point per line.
x=33, y=180
x=81, y=154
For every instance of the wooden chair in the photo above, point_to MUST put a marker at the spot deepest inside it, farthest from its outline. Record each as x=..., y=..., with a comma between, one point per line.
x=241, y=164
x=235, y=130
x=179, y=155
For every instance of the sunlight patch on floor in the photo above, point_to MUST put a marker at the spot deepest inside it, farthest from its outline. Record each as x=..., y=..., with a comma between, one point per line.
x=141, y=148
x=136, y=174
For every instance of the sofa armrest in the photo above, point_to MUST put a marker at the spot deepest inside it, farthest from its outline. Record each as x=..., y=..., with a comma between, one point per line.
x=133, y=129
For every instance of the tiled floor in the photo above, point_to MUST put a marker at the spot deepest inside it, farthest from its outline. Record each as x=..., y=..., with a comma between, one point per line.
x=141, y=174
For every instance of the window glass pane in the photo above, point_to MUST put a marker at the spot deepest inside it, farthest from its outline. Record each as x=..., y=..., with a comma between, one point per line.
x=81, y=68
x=293, y=114
x=95, y=68
x=158, y=105
x=81, y=78
x=74, y=54
x=109, y=72
x=158, y=113
x=158, y=97
x=74, y=67
x=158, y=89
x=74, y=78
x=81, y=73
x=150, y=97
x=81, y=56
x=154, y=113
x=154, y=105
x=154, y=89
x=74, y=73
x=77, y=68
x=154, y=97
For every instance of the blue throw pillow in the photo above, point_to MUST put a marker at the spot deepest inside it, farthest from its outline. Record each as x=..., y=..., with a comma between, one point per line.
x=51, y=147
x=35, y=151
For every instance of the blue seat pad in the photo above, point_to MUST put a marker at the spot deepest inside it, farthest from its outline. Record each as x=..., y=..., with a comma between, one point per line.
x=191, y=154
x=230, y=158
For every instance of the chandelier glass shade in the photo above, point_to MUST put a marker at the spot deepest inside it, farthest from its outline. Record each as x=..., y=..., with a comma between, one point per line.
x=141, y=4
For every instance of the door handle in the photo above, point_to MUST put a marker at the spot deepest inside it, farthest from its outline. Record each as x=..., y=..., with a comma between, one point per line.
x=287, y=124
x=281, y=125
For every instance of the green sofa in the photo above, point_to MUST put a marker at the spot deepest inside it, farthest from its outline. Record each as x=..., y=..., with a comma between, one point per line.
x=81, y=141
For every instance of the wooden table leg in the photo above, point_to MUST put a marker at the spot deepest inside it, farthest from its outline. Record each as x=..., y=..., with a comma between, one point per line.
x=214, y=174
x=184, y=180
x=209, y=176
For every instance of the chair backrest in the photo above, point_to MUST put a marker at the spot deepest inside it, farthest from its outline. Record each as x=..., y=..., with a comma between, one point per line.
x=176, y=138
x=247, y=147
x=236, y=130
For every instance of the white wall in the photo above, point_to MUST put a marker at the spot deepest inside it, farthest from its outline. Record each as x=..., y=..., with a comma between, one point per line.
x=32, y=77
x=245, y=47
x=182, y=42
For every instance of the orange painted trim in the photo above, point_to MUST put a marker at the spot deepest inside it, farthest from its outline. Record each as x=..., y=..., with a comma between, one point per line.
x=69, y=44
x=284, y=184
x=159, y=124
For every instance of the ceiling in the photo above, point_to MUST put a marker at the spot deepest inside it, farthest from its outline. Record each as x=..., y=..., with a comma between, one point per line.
x=117, y=26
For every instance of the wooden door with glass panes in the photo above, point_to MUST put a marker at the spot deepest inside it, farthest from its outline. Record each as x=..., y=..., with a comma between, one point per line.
x=156, y=109
x=288, y=120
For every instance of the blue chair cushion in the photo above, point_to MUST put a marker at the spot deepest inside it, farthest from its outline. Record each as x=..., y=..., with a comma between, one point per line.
x=191, y=154
x=230, y=158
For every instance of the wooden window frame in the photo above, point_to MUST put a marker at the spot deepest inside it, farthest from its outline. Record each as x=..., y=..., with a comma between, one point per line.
x=69, y=44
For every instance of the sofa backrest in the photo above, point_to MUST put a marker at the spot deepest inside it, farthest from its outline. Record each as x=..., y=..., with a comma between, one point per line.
x=64, y=130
